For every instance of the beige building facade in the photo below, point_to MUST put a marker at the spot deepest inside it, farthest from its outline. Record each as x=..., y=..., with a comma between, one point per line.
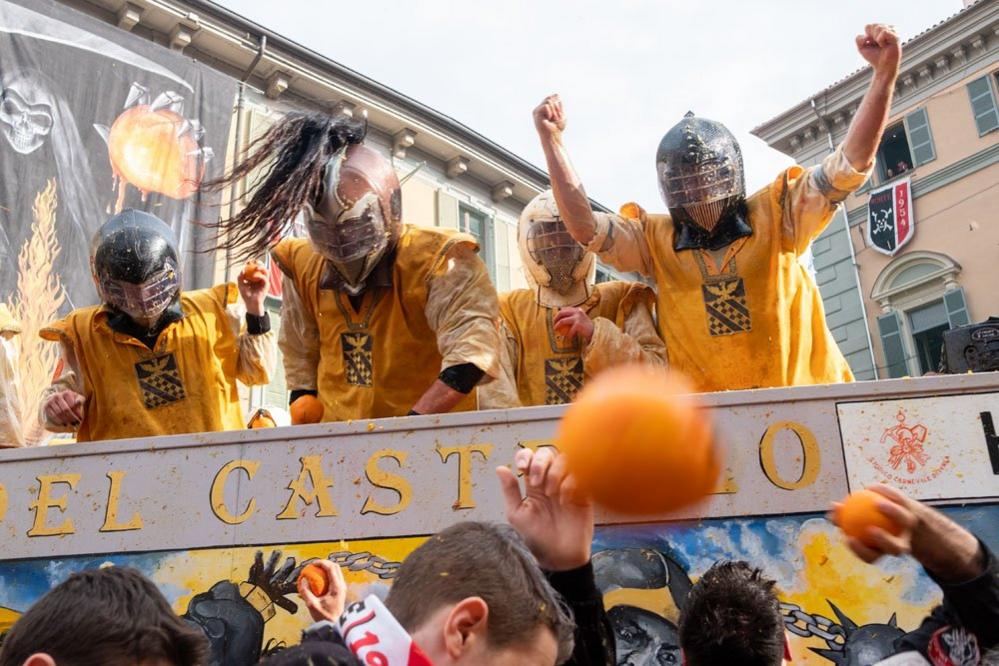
x=889, y=311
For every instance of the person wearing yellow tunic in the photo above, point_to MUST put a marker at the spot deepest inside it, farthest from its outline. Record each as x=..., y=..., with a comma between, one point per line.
x=11, y=431
x=152, y=360
x=736, y=307
x=564, y=329
x=378, y=318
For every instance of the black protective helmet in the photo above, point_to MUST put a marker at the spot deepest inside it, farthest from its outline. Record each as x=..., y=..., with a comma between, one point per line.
x=134, y=261
x=699, y=164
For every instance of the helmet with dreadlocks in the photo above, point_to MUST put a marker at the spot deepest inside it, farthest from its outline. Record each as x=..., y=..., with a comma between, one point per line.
x=349, y=193
x=557, y=266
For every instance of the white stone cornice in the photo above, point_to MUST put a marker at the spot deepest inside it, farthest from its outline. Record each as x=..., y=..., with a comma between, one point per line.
x=456, y=166
x=277, y=83
x=129, y=15
x=401, y=140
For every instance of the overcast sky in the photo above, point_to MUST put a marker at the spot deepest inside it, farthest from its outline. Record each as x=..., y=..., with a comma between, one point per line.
x=627, y=70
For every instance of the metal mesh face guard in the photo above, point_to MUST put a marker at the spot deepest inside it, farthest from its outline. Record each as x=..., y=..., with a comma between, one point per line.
x=357, y=233
x=550, y=245
x=699, y=162
x=146, y=301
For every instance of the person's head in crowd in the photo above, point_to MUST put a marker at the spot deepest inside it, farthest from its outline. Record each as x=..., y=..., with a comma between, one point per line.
x=732, y=616
x=103, y=617
x=474, y=594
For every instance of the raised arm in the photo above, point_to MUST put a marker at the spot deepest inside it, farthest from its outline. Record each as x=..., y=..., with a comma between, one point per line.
x=879, y=46
x=573, y=204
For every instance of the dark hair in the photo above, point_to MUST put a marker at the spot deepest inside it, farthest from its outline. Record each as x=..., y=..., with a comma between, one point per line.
x=732, y=616
x=293, y=156
x=104, y=616
x=475, y=559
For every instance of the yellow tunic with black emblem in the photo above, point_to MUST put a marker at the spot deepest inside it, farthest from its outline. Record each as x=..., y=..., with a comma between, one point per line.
x=376, y=361
x=549, y=369
x=187, y=383
x=753, y=318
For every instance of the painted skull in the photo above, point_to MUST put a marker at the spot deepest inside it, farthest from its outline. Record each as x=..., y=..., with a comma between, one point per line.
x=24, y=120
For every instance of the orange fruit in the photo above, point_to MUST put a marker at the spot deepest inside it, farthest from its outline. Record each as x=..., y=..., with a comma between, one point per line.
x=859, y=511
x=253, y=273
x=306, y=409
x=316, y=578
x=262, y=419
x=638, y=442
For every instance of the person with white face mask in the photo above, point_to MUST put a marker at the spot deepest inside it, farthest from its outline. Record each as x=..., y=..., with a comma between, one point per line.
x=151, y=359
x=736, y=308
x=564, y=328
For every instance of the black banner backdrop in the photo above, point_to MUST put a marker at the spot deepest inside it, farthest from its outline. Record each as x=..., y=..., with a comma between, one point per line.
x=94, y=119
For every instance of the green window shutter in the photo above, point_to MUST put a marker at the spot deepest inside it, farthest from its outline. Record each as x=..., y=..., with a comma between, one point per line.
x=447, y=211
x=502, y=256
x=890, y=328
x=917, y=124
x=957, y=309
x=480, y=226
x=983, y=105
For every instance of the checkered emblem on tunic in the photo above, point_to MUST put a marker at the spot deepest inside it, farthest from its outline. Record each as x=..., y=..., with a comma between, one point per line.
x=725, y=301
x=160, y=381
x=563, y=379
x=357, y=357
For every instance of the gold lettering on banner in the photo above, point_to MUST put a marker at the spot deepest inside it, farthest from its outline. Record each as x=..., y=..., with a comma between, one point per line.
x=111, y=523
x=219, y=508
x=3, y=502
x=726, y=484
x=45, y=501
x=317, y=490
x=810, y=455
x=465, y=500
x=534, y=445
x=389, y=481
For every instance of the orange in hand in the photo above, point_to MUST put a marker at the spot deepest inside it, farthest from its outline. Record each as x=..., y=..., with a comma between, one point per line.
x=306, y=409
x=859, y=511
x=638, y=443
x=316, y=578
x=253, y=273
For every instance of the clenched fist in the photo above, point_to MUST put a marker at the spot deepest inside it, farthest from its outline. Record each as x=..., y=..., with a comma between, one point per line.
x=65, y=408
x=879, y=46
x=549, y=117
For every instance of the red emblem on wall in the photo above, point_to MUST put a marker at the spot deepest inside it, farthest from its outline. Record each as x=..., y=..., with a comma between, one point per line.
x=907, y=445
x=910, y=459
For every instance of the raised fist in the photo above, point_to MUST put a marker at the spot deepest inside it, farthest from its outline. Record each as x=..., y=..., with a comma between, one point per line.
x=879, y=46
x=549, y=118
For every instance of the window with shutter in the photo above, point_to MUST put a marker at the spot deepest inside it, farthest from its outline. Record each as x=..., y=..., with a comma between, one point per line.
x=957, y=309
x=917, y=124
x=983, y=105
x=890, y=328
x=480, y=225
x=894, y=157
x=447, y=211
